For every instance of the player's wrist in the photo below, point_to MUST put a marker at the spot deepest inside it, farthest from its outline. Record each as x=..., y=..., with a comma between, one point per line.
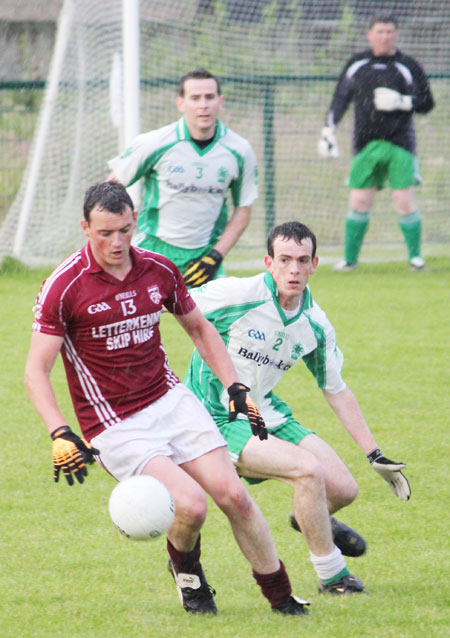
x=236, y=387
x=59, y=431
x=216, y=255
x=374, y=455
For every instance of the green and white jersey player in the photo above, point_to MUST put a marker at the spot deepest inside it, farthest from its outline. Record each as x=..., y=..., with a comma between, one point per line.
x=270, y=322
x=264, y=340
x=187, y=169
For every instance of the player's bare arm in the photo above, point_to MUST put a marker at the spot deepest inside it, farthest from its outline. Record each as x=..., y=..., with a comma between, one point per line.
x=347, y=410
x=214, y=353
x=43, y=352
x=234, y=229
x=204, y=269
x=70, y=452
x=210, y=346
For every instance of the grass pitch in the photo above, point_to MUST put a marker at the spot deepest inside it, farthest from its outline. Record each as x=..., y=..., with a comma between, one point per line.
x=66, y=572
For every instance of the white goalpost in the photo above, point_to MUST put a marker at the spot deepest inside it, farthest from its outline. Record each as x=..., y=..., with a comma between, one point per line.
x=115, y=72
x=131, y=66
x=124, y=105
x=64, y=26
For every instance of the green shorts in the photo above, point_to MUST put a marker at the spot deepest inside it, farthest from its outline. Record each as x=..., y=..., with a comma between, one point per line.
x=238, y=432
x=381, y=160
x=181, y=257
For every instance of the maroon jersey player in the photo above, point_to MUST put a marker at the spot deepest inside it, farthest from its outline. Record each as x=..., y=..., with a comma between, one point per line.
x=108, y=324
x=100, y=309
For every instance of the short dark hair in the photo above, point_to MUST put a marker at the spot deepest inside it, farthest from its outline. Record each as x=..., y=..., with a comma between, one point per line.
x=198, y=74
x=291, y=230
x=384, y=18
x=110, y=195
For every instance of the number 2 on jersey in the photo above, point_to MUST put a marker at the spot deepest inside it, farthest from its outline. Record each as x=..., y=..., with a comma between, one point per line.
x=277, y=344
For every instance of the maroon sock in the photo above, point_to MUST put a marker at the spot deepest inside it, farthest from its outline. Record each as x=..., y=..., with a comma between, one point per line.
x=186, y=562
x=276, y=587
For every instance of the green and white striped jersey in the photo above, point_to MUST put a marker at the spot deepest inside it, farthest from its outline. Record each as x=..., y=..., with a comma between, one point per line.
x=263, y=343
x=185, y=187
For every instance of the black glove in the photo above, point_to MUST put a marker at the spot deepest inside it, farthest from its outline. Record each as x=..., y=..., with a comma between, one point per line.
x=241, y=402
x=390, y=471
x=202, y=270
x=70, y=454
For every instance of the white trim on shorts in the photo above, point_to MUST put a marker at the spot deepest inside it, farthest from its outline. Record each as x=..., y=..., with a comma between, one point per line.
x=177, y=425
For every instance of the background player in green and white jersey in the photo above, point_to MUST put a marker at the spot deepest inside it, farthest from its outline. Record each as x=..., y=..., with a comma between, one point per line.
x=269, y=322
x=187, y=168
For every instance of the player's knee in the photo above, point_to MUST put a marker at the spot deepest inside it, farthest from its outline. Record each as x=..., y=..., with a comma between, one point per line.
x=404, y=201
x=235, y=501
x=192, y=508
x=351, y=491
x=346, y=492
x=361, y=200
x=308, y=469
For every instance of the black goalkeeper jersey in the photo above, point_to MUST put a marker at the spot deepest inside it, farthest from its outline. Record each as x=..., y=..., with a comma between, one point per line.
x=362, y=74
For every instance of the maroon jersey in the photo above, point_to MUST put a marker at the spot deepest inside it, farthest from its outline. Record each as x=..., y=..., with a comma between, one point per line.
x=112, y=352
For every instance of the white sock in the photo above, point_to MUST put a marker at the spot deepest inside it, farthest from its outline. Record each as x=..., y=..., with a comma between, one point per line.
x=328, y=566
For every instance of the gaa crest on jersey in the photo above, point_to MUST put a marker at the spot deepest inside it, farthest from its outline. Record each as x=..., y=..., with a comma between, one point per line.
x=154, y=294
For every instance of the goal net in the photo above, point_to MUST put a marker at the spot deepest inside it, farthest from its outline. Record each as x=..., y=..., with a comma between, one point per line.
x=278, y=62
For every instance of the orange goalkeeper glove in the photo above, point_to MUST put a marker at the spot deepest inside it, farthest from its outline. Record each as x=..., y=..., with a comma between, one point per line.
x=241, y=402
x=202, y=270
x=70, y=454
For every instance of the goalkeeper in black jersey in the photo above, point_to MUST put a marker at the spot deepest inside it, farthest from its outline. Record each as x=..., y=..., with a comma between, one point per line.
x=386, y=87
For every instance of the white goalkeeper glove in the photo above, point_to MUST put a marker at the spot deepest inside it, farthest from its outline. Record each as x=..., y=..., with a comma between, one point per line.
x=327, y=146
x=390, y=471
x=389, y=100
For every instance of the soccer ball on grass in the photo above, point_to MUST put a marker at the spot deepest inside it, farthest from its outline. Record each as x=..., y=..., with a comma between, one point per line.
x=141, y=507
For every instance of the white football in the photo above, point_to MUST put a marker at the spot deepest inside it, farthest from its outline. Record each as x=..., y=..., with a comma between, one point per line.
x=141, y=507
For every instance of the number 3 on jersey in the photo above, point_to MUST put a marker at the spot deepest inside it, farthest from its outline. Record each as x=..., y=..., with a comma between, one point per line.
x=128, y=307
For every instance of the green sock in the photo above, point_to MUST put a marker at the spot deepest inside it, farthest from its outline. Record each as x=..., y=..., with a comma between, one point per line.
x=356, y=226
x=411, y=227
x=341, y=574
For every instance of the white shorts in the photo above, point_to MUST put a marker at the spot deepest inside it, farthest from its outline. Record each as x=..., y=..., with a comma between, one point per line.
x=177, y=425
